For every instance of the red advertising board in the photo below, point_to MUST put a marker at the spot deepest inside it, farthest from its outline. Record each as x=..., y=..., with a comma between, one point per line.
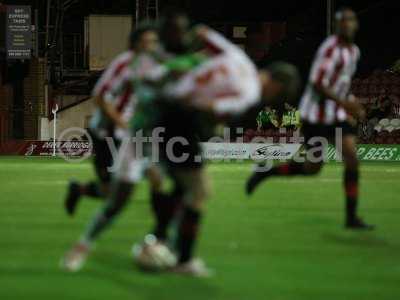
x=66, y=148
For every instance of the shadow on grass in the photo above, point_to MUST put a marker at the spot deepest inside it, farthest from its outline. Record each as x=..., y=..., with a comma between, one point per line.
x=151, y=285
x=106, y=273
x=365, y=239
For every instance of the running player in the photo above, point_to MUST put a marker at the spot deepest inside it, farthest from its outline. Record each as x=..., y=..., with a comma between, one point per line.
x=223, y=85
x=110, y=119
x=325, y=107
x=109, y=115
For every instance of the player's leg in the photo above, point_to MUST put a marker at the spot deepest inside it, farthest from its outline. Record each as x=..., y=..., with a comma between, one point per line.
x=92, y=189
x=95, y=189
x=102, y=160
x=76, y=190
x=312, y=165
x=164, y=208
x=128, y=171
x=120, y=191
x=316, y=140
x=119, y=196
x=164, y=205
x=196, y=189
x=351, y=183
x=291, y=168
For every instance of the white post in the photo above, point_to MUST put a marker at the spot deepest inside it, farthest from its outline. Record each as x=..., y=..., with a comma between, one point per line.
x=54, y=111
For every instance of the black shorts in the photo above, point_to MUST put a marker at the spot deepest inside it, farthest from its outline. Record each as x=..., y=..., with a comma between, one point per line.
x=102, y=158
x=182, y=156
x=184, y=152
x=328, y=132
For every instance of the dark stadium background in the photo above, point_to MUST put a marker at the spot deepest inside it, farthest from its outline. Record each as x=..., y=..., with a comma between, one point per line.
x=306, y=24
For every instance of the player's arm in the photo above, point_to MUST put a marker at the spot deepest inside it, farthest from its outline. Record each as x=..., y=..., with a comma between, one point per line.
x=110, y=85
x=350, y=104
x=209, y=41
x=223, y=104
x=321, y=78
x=111, y=112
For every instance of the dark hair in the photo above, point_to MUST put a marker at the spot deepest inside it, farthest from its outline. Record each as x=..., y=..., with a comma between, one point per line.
x=339, y=12
x=136, y=34
x=167, y=26
x=169, y=16
x=289, y=76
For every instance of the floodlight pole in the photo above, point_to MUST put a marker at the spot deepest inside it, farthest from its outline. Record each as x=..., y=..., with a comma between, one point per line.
x=46, y=57
x=329, y=16
x=54, y=111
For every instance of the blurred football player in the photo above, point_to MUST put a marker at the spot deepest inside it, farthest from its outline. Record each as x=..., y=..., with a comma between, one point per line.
x=108, y=125
x=327, y=106
x=220, y=84
x=114, y=111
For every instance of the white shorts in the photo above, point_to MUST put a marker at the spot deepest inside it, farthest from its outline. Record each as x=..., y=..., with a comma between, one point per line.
x=127, y=167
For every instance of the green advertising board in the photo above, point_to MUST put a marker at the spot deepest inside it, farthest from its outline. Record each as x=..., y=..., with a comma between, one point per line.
x=371, y=152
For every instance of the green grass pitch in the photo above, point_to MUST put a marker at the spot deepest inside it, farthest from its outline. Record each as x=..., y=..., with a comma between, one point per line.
x=286, y=242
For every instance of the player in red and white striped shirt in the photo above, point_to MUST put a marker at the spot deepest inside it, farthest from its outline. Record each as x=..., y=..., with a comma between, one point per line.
x=100, y=127
x=331, y=74
x=109, y=116
x=327, y=106
x=113, y=112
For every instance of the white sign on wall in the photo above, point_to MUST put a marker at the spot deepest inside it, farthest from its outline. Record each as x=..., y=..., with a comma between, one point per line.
x=19, y=32
x=241, y=151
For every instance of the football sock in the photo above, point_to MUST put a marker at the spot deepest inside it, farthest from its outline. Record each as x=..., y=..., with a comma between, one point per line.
x=92, y=189
x=351, y=191
x=118, y=199
x=187, y=233
x=290, y=169
x=164, y=208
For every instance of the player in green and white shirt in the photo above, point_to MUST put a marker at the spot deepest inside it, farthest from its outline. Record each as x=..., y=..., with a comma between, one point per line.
x=223, y=86
x=111, y=113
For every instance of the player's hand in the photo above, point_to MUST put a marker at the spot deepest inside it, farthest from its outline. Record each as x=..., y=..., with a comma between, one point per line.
x=354, y=108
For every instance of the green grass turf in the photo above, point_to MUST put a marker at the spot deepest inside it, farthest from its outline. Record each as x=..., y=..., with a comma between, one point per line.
x=286, y=242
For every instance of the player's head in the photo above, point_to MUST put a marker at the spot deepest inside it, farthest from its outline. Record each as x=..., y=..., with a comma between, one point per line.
x=280, y=82
x=144, y=39
x=174, y=27
x=346, y=23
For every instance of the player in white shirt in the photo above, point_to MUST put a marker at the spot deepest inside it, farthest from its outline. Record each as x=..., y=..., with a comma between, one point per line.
x=108, y=121
x=227, y=83
x=111, y=117
x=224, y=85
x=328, y=106
x=102, y=126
